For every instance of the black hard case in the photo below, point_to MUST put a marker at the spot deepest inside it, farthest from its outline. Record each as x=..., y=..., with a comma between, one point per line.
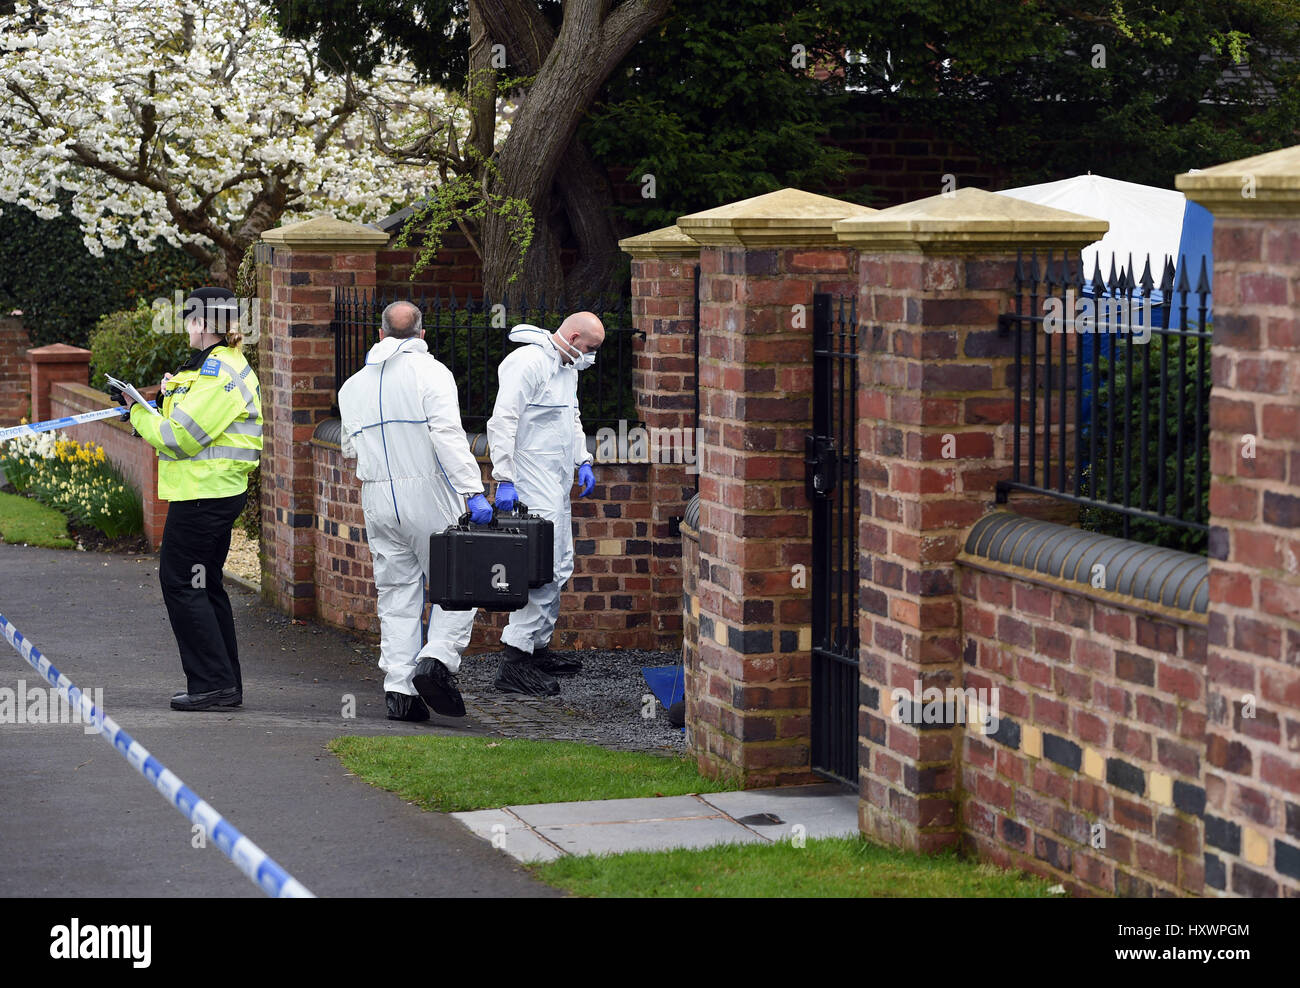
x=462, y=567
x=541, y=543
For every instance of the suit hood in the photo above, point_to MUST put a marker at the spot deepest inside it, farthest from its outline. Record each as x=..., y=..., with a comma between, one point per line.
x=391, y=345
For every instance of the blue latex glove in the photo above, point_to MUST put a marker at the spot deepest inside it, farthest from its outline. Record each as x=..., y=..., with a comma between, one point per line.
x=586, y=478
x=480, y=512
x=506, y=499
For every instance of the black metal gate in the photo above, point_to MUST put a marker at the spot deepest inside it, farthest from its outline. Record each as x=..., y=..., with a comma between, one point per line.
x=831, y=457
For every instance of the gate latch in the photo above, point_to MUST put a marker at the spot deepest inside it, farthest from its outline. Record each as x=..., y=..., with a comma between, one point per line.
x=821, y=467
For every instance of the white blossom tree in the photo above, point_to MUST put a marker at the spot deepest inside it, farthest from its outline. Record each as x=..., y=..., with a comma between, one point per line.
x=194, y=121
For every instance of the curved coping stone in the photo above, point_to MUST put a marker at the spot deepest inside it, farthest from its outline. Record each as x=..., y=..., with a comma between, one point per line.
x=1145, y=572
x=691, y=516
x=329, y=433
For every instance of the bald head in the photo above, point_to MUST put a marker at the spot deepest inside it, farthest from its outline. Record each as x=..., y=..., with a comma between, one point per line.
x=401, y=320
x=582, y=331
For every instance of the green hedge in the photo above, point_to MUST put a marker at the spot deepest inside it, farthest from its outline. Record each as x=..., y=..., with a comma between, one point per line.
x=1138, y=399
x=63, y=289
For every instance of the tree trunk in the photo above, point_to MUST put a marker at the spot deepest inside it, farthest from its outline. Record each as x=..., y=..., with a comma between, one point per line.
x=587, y=198
x=538, y=157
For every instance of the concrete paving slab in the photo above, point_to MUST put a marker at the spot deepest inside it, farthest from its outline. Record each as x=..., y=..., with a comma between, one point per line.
x=614, y=811
x=527, y=847
x=648, y=835
x=483, y=822
x=822, y=810
x=613, y=826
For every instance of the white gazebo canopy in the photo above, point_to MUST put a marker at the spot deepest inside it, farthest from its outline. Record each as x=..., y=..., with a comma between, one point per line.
x=1144, y=220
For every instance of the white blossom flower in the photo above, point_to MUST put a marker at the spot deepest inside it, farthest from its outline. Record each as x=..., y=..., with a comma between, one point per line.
x=234, y=112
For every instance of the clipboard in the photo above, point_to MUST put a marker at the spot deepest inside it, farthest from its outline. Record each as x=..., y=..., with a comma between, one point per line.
x=130, y=389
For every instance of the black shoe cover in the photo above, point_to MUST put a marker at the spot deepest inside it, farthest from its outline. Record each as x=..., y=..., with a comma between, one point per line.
x=556, y=664
x=516, y=676
x=437, y=687
x=403, y=707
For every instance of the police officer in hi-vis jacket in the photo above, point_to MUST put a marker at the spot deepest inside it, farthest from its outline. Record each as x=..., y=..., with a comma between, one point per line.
x=208, y=438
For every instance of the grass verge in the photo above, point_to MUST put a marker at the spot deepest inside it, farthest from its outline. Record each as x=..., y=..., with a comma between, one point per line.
x=23, y=520
x=836, y=867
x=455, y=774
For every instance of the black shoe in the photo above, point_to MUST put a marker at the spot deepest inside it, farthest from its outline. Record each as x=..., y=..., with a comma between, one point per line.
x=404, y=707
x=555, y=664
x=518, y=674
x=237, y=701
x=229, y=697
x=437, y=687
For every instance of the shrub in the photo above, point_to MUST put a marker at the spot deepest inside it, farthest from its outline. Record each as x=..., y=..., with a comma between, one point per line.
x=125, y=345
x=1137, y=399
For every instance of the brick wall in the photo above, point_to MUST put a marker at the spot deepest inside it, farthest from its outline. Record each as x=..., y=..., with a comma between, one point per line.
x=933, y=365
x=903, y=160
x=54, y=364
x=663, y=308
x=1253, y=776
x=296, y=357
x=751, y=709
x=1101, y=735
x=607, y=600
x=691, y=626
x=456, y=268
x=15, y=373
x=137, y=460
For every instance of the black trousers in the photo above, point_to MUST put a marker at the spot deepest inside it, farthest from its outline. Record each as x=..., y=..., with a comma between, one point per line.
x=195, y=541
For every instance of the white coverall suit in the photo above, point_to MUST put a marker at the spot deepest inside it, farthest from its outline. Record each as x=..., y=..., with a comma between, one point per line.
x=401, y=420
x=536, y=441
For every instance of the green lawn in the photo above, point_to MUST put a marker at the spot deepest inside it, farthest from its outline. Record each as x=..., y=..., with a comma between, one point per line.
x=847, y=867
x=451, y=774
x=454, y=774
x=25, y=520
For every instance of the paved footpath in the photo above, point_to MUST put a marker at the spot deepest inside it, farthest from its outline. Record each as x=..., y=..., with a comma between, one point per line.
x=77, y=820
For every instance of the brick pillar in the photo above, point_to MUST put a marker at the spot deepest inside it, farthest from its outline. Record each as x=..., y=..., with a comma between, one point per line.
x=934, y=274
x=263, y=255
x=760, y=259
x=663, y=308
x=1252, y=774
x=15, y=376
x=51, y=364
x=297, y=374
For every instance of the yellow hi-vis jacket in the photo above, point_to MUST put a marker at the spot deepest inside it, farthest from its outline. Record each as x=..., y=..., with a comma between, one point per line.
x=209, y=436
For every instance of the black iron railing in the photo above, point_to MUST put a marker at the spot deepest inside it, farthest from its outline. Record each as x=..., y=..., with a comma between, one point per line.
x=1112, y=396
x=470, y=335
x=831, y=464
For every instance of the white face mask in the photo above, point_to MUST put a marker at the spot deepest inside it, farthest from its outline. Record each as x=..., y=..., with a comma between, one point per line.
x=580, y=360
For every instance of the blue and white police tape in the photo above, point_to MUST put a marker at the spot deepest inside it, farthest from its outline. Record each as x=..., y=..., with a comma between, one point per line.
x=247, y=856
x=66, y=422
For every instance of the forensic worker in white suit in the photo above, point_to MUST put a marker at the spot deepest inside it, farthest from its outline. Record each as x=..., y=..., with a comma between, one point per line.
x=401, y=421
x=536, y=442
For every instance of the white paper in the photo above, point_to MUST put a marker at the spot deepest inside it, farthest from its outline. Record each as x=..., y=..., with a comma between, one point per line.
x=130, y=389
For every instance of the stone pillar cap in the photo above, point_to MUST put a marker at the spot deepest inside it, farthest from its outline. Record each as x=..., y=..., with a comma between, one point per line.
x=1258, y=185
x=785, y=218
x=57, y=353
x=969, y=221
x=667, y=241
x=325, y=233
